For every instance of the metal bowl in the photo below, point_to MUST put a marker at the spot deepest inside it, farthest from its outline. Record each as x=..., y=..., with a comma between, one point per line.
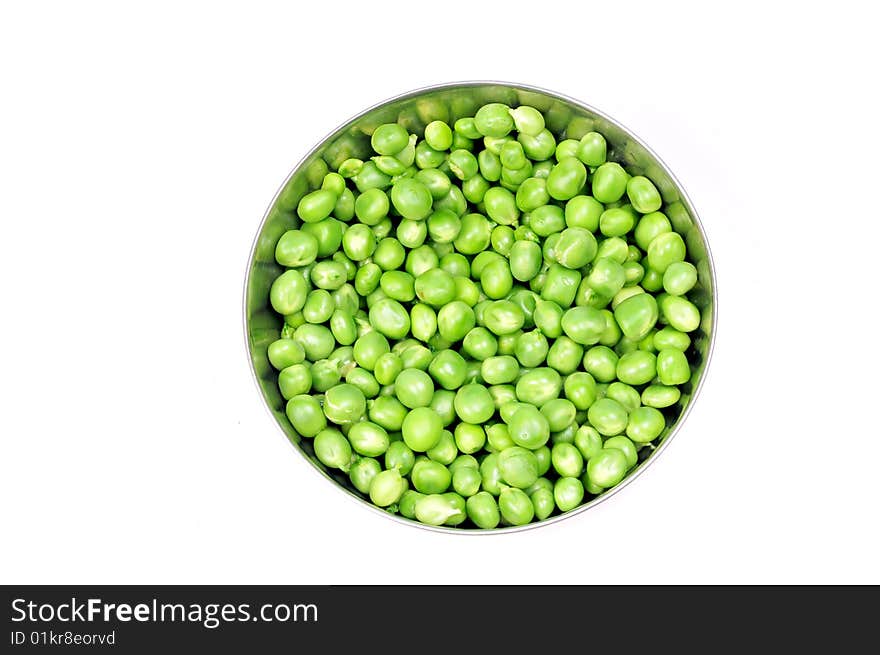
x=448, y=102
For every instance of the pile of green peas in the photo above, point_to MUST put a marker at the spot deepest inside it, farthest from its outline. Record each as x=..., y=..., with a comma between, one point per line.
x=483, y=326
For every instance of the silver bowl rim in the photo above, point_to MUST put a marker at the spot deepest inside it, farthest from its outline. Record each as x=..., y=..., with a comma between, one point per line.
x=598, y=499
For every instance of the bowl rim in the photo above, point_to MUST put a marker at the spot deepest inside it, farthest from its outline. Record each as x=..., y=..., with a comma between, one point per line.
x=683, y=197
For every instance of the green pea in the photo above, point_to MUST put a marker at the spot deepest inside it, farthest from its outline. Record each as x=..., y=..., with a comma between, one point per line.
x=445, y=451
x=679, y=278
x=498, y=437
x=518, y=466
x=430, y=477
x=362, y=473
x=411, y=199
x=624, y=445
x=568, y=492
x=398, y=285
x=390, y=318
x=422, y=429
x=387, y=367
x=316, y=340
x=564, y=355
x=680, y=313
x=547, y=220
x=469, y=438
x=588, y=441
x=389, y=139
x=538, y=147
x=649, y=227
x=363, y=380
x=285, y=352
x=609, y=182
x=561, y=285
x=502, y=239
x=370, y=177
x=387, y=487
x=399, y=457
x=660, y=396
x=414, y=388
x=305, y=415
x=507, y=342
x=440, y=509
x=672, y=367
x=344, y=403
x=467, y=291
x=368, y=348
x=543, y=502
x=442, y=402
x=491, y=474
x=541, y=170
x=332, y=449
x=566, y=149
x=412, y=234
x=531, y=349
x=455, y=320
x=538, y=386
x=448, y=369
x=325, y=374
x=443, y=226
x=387, y=412
x=607, y=468
x=617, y=221
x=296, y=248
x=623, y=393
x=608, y=416
x=427, y=157
x=474, y=236
x=435, y=287
x=479, y=343
x=490, y=165
x=368, y=439
x=343, y=327
x=575, y=248
x=584, y=325
x=294, y=380
x=643, y=194
x=515, y=506
x=501, y=205
x=463, y=164
x=407, y=503
x=525, y=260
x=664, y=250
x=467, y=128
x=483, y=510
x=496, y=279
x=528, y=427
x=350, y=167
x=548, y=318
x=499, y=370
x=319, y=306
x=475, y=188
x=288, y=292
x=493, y=120
x=531, y=194
x=316, y=206
x=466, y=481
x=566, y=179
x=637, y=315
x=527, y=120
x=559, y=412
x=503, y=317
x=606, y=277
x=583, y=212
x=438, y=135
x=637, y=367
x=474, y=404
x=592, y=149
x=645, y=424
x=580, y=389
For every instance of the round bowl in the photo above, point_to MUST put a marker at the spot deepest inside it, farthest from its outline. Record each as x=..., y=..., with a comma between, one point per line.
x=414, y=110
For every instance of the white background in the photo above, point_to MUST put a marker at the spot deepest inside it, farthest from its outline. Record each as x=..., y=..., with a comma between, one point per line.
x=139, y=146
